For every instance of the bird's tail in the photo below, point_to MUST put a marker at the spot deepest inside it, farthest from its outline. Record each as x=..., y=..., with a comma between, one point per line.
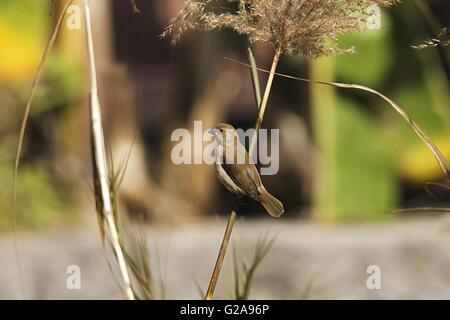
x=273, y=206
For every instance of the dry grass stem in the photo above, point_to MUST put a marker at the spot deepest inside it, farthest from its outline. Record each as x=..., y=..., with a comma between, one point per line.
x=221, y=256
x=104, y=205
x=262, y=108
x=37, y=77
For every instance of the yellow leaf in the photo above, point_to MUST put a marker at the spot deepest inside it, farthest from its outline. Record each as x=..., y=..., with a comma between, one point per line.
x=18, y=58
x=418, y=163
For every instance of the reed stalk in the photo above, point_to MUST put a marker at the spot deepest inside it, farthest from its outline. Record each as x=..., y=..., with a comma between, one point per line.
x=100, y=170
x=262, y=108
x=221, y=256
x=252, y=62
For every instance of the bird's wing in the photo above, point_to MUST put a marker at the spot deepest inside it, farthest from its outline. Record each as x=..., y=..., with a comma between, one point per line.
x=246, y=176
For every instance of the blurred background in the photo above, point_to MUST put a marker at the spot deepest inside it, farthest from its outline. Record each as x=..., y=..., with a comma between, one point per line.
x=346, y=157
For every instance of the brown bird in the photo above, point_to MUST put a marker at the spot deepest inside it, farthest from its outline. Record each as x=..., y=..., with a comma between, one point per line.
x=236, y=171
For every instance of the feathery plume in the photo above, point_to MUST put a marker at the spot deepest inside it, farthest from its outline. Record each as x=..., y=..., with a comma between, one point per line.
x=297, y=27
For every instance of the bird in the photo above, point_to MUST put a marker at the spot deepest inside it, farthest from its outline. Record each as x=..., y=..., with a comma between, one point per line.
x=237, y=172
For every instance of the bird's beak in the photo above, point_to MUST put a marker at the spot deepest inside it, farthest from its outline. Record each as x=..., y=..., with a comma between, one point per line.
x=212, y=131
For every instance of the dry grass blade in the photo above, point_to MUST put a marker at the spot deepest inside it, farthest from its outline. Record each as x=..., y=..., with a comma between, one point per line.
x=199, y=288
x=104, y=205
x=430, y=43
x=421, y=210
x=442, y=161
x=26, y=115
x=242, y=289
x=254, y=74
x=427, y=209
x=137, y=256
x=441, y=40
x=436, y=184
x=307, y=291
x=252, y=61
x=441, y=34
x=131, y=238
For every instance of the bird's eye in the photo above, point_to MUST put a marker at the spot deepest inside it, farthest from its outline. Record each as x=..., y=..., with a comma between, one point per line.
x=221, y=130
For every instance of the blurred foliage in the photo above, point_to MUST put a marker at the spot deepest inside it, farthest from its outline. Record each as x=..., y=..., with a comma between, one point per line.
x=24, y=31
x=39, y=202
x=365, y=182
x=62, y=76
x=373, y=148
x=373, y=58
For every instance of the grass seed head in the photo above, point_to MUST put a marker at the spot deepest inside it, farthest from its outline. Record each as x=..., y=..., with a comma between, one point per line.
x=297, y=27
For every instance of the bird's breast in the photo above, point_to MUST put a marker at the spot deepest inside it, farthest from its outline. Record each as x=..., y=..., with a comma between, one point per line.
x=228, y=183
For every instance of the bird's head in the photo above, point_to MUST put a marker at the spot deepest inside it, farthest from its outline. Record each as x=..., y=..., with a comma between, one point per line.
x=221, y=131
